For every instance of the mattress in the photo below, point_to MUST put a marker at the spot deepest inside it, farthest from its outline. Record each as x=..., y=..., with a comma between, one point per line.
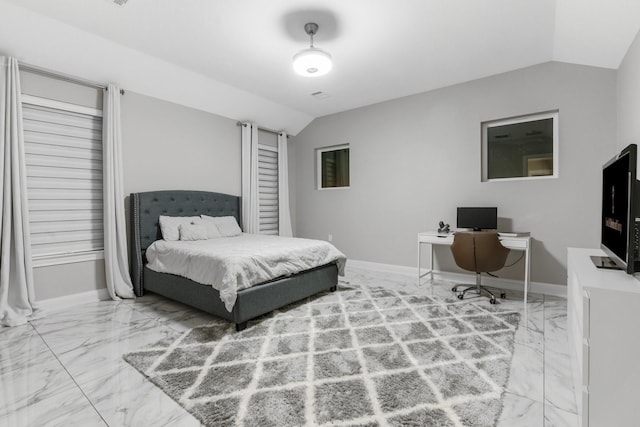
x=230, y=264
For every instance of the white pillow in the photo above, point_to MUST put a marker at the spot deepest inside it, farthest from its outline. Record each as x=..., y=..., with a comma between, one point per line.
x=212, y=230
x=227, y=225
x=201, y=230
x=192, y=232
x=169, y=225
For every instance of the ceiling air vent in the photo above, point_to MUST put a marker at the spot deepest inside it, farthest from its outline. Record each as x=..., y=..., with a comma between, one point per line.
x=319, y=95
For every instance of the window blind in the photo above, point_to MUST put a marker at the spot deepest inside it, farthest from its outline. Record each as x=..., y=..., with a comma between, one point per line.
x=63, y=148
x=268, y=189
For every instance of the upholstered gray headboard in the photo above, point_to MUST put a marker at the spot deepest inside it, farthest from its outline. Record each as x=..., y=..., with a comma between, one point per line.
x=147, y=207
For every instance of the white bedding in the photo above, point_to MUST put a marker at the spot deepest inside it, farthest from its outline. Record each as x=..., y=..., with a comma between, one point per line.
x=230, y=264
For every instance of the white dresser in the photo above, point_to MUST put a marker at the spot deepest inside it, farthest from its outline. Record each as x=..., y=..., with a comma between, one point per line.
x=604, y=334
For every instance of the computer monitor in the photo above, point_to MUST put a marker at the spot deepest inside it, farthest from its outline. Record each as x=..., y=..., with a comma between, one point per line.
x=477, y=218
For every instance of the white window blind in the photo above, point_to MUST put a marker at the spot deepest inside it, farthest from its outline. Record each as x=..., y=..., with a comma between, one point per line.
x=268, y=189
x=63, y=146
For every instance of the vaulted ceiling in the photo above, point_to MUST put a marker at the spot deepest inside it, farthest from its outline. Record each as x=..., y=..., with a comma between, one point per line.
x=382, y=49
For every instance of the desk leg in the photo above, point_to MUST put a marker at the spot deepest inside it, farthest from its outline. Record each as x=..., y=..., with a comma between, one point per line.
x=419, y=247
x=527, y=273
x=431, y=256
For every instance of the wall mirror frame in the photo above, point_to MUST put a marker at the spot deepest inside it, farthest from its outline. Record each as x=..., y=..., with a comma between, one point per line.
x=520, y=148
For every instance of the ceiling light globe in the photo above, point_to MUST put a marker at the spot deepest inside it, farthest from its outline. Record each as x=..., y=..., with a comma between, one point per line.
x=312, y=62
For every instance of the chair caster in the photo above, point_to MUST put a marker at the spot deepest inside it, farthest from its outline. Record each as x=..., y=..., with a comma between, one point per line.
x=492, y=300
x=460, y=296
x=454, y=289
x=503, y=295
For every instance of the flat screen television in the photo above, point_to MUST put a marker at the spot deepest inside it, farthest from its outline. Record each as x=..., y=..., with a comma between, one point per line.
x=477, y=218
x=619, y=232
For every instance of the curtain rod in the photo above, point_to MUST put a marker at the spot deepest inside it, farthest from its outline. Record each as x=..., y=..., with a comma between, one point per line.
x=64, y=77
x=275, y=132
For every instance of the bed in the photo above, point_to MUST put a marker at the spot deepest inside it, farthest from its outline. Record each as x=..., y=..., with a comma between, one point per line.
x=145, y=210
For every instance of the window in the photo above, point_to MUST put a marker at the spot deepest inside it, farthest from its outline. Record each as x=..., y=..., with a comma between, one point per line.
x=268, y=189
x=520, y=148
x=333, y=167
x=63, y=147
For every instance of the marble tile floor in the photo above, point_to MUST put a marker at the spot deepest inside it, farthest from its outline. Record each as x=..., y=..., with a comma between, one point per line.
x=67, y=368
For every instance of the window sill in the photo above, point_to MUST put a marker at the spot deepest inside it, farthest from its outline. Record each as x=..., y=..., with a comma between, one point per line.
x=48, y=260
x=333, y=188
x=522, y=178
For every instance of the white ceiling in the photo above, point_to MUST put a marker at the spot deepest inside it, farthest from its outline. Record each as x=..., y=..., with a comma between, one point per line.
x=382, y=49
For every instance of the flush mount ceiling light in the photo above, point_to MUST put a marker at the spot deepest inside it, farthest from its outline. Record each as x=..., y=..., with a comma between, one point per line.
x=312, y=62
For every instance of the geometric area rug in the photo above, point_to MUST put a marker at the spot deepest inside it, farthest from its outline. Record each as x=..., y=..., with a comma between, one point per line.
x=360, y=356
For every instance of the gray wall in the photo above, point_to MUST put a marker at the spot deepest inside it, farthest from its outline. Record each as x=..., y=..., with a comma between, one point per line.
x=629, y=96
x=165, y=146
x=415, y=159
x=67, y=279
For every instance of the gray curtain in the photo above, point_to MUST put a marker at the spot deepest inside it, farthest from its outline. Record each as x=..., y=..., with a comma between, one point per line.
x=17, y=296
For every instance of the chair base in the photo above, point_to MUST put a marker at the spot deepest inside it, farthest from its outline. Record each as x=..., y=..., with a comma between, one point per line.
x=479, y=289
x=490, y=295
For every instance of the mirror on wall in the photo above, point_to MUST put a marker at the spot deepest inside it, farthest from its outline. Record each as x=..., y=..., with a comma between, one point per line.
x=523, y=147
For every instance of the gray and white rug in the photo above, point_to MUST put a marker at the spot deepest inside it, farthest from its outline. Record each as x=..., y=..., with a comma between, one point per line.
x=356, y=357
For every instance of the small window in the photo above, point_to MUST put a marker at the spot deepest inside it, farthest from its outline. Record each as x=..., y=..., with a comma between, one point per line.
x=333, y=167
x=520, y=148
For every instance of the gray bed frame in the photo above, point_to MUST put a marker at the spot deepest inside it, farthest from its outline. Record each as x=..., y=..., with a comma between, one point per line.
x=252, y=302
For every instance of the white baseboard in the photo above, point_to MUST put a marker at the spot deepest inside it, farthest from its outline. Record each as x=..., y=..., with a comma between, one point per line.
x=67, y=301
x=509, y=284
x=383, y=268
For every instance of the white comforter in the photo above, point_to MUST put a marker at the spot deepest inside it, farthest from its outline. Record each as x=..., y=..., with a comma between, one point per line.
x=230, y=264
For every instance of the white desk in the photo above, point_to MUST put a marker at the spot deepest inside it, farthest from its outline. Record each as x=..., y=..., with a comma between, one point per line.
x=516, y=243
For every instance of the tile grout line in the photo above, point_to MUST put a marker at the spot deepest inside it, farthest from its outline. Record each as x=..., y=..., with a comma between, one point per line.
x=69, y=373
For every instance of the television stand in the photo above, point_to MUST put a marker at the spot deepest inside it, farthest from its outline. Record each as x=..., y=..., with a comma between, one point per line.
x=603, y=314
x=604, y=262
